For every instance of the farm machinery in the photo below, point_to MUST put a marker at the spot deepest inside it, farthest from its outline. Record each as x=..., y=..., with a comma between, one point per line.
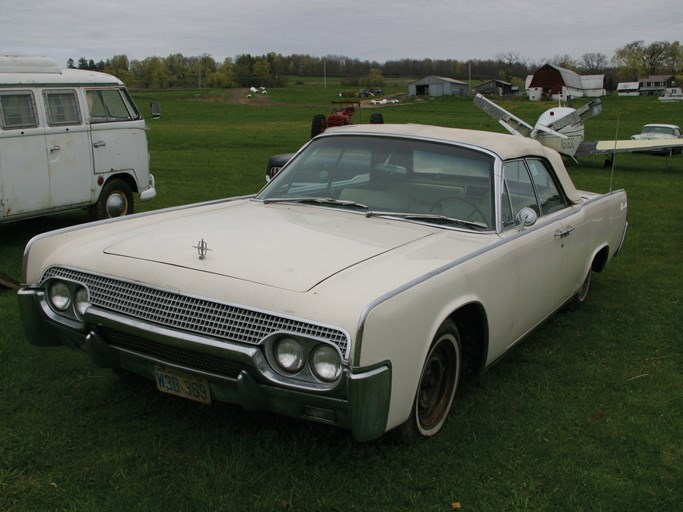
x=341, y=114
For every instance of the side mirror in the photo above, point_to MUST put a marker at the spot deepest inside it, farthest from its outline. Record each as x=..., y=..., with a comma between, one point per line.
x=156, y=109
x=526, y=217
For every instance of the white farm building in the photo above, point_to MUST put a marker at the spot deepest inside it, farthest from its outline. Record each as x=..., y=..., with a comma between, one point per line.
x=438, y=86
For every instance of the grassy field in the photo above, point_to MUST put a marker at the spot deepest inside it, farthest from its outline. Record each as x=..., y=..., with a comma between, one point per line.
x=585, y=415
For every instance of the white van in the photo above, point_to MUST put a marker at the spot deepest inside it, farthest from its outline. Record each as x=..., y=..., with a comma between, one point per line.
x=69, y=139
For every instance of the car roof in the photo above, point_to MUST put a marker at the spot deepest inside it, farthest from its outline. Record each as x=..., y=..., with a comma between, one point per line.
x=674, y=126
x=504, y=145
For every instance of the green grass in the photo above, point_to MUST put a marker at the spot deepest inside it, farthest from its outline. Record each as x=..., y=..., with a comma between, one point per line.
x=585, y=415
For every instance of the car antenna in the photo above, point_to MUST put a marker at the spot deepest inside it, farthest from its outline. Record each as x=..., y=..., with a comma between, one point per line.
x=614, y=155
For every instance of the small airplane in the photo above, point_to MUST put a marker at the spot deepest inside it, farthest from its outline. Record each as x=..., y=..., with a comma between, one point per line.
x=561, y=128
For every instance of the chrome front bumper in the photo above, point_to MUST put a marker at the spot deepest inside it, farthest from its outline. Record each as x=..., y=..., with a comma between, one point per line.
x=236, y=373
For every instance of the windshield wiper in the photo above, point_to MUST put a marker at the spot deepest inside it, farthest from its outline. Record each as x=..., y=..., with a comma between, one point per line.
x=429, y=217
x=315, y=200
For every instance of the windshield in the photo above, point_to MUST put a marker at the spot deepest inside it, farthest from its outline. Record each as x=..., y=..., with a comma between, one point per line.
x=667, y=130
x=412, y=179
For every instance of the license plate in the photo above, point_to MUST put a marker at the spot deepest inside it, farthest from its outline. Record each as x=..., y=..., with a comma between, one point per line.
x=183, y=384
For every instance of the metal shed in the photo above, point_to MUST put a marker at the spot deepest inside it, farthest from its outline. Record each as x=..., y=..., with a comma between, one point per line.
x=496, y=87
x=438, y=86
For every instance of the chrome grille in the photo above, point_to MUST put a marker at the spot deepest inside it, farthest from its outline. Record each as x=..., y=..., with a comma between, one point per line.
x=192, y=314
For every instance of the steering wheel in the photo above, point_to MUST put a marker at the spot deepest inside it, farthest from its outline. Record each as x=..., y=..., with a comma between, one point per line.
x=459, y=208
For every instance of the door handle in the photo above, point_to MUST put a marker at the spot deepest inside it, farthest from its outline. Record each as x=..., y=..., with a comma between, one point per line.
x=563, y=233
x=99, y=144
x=54, y=148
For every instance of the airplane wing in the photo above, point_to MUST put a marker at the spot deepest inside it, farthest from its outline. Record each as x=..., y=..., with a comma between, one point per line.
x=511, y=123
x=603, y=147
x=578, y=116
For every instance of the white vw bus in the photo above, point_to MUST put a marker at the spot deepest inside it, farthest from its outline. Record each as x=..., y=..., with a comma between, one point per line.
x=69, y=139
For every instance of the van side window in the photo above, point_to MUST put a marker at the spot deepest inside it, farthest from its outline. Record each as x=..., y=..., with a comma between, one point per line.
x=62, y=108
x=108, y=105
x=17, y=110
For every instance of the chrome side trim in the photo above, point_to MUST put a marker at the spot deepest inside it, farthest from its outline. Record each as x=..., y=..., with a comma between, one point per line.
x=623, y=239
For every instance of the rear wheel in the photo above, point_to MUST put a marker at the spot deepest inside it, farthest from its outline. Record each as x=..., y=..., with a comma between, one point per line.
x=437, y=386
x=318, y=125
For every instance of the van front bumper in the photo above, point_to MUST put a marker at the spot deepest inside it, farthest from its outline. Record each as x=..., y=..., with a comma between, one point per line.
x=150, y=192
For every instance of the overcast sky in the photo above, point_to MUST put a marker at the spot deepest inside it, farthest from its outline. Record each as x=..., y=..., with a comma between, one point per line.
x=361, y=29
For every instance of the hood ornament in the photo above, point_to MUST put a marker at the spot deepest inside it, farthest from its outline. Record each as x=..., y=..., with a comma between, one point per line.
x=202, y=248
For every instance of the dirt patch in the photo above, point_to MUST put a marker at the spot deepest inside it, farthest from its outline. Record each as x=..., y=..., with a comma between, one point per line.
x=241, y=97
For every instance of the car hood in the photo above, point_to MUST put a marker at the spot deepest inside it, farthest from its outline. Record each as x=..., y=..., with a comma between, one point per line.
x=292, y=247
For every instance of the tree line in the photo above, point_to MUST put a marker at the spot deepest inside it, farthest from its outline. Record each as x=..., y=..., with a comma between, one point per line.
x=630, y=62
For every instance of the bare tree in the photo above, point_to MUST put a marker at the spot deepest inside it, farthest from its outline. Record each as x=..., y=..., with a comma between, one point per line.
x=593, y=63
x=565, y=61
x=510, y=61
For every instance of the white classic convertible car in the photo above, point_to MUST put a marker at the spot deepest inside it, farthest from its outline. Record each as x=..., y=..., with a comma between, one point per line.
x=379, y=265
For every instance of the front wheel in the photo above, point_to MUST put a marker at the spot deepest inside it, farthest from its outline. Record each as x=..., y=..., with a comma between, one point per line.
x=116, y=200
x=437, y=385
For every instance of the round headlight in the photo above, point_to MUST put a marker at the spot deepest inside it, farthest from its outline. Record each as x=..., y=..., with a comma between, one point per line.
x=60, y=296
x=326, y=362
x=289, y=354
x=81, y=301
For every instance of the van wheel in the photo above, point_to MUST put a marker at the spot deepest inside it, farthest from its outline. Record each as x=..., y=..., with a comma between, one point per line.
x=116, y=200
x=437, y=386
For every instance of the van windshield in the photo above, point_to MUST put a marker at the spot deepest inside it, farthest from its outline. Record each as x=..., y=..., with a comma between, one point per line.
x=110, y=105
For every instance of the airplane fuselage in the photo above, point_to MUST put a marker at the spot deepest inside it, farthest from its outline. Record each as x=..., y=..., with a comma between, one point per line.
x=574, y=133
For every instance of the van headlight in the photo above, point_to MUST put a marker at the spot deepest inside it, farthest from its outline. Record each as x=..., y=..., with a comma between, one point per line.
x=60, y=296
x=326, y=363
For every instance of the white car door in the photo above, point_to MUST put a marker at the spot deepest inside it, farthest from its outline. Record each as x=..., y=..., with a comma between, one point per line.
x=547, y=256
